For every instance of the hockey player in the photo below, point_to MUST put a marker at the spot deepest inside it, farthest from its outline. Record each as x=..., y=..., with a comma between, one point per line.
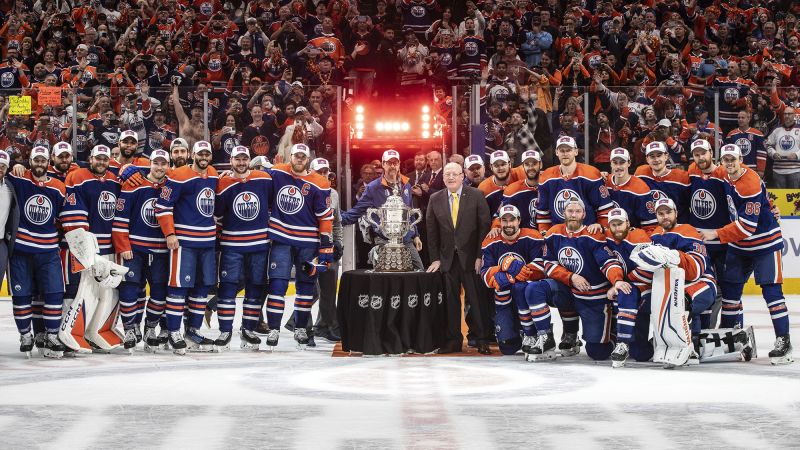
x=505, y=268
x=242, y=212
x=663, y=181
x=185, y=213
x=633, y=306
x=754, y=247
x=629, y=192
x=524, y=193
x=35, y=263
x=706, y=210
x=300, y=228
x=140, y=243
x=90, y=205
x=591, y=269
x=689, y=253
x=559, y=183
x=492, y=187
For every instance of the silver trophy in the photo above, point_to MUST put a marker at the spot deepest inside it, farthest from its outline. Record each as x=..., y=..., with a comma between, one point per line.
x=395, y=219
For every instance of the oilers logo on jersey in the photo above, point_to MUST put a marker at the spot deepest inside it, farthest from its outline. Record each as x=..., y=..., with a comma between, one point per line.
x=38, y=209
x=532, y=212
x=786, y=142
x=290, y=199
x=7, y=79
x=570, y=258
x=514, y=255
x=470, y=48
x=148, y=213
x=745, y=145
x=731, y=94
x=106, y=205
x=418, y=11
x=246, y=206
x=561, y=200
x=703, y=204
x=205, y=202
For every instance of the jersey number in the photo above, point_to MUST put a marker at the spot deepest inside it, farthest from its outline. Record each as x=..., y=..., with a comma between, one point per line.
x=71, y=200
x=752, y=208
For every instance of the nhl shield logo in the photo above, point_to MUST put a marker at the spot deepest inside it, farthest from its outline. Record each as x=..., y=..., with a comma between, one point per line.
x=571, y=259
x=289, y=199
x=376, y=302
x=205, y=202
x=38, y=209
x=703, y=204
x=363, y=301
x=106, y=205
x=148, y=213
x=395, y=302
x=561, y=200
x=246, y=206
x=413, y=300
x=439, y=298
x=426, y=299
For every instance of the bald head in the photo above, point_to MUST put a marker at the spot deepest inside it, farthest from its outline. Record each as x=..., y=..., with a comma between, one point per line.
x=453, y=176
x=788, y=116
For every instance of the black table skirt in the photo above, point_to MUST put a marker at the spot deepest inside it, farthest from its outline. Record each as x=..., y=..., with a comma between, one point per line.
x=391, y=313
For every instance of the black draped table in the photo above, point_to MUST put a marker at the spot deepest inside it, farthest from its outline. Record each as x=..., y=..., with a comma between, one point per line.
x=391, y=313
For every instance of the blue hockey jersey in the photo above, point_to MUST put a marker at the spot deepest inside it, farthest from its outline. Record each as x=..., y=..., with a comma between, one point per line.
x=524, y=197
x=185, y=207
x=91, y=204
x=301, y=207
x=242, y=211
x=707, y=209
x=752, y=144
x=674, y=184
x=753, y=229
x=585, y=183
x=135, y=224
x=40, y=205
x=635, y=198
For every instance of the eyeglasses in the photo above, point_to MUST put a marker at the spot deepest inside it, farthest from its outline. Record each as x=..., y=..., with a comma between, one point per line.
x=452, y=175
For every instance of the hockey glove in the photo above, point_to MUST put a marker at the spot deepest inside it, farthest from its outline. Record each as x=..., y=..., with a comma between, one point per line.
x=511, y=266
x=501, y=281
x=325, y=252
x=132, y=173
x=524, y=274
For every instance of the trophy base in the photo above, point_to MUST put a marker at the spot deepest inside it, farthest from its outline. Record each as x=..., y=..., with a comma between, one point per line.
x=393, y=258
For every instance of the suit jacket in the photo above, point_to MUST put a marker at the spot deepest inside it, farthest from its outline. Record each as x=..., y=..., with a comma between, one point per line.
x=473, y=222
x=424, y=177
x=436, y=183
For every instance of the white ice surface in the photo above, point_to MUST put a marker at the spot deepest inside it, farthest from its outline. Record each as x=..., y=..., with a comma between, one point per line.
x=291, y=399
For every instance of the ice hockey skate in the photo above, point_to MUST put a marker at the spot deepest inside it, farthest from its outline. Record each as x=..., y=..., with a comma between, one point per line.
x=26, y=344
x=619, y=355
x=272, y=339
x=196, y=342
x=544, y=348
x=782, y=353
x=570, y=345
x=223, y=342
x=527, y=344
x=53, y=348
x=150, y=339
x=129, y=340
x=176, y=342
x=301, y=337
x=249, y=340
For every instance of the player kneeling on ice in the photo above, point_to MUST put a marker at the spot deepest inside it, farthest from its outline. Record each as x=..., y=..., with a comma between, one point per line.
x=579, y=290
x=505, y=270
x=633, y=305
x=754, y=243
x=678, y=270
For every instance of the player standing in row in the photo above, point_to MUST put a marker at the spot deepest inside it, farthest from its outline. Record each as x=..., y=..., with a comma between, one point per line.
x=754, y=243
x=524, y=193
x=185, y=213
x=35, y=263
x=300, y=227
x=140, y=243
x=663, y=181
x=91, y=204
x=629, y=192
x=242, y=212
x=706, y=211
x=592, y=269
x=570, y=179
x=492, y=187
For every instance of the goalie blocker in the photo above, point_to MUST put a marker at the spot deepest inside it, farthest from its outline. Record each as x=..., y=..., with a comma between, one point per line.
x=90, y=318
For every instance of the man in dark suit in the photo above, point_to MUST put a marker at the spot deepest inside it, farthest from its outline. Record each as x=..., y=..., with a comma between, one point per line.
x=9, y=216
x=435, y=181
x=457, y=221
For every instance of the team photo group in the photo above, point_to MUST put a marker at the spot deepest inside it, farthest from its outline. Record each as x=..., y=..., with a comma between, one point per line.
x=648, y=266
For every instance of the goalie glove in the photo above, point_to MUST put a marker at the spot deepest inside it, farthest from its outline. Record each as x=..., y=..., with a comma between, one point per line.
x=108, y=274
x=652, y=257
x=501, y=281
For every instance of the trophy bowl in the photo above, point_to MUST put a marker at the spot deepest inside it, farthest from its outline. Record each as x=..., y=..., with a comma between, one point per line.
x=395, y=220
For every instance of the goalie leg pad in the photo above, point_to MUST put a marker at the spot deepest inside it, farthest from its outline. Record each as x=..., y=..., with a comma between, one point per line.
x=726, y=344
x=101, y=328
x=668, y=318
x=77, y=312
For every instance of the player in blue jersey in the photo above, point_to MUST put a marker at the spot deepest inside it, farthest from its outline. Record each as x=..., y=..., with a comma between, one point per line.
x=629, y=192
x=242, y=211
x=185, y=213
x=140, y=243
x=300, y=227
x=754, y=243
x=35, y=264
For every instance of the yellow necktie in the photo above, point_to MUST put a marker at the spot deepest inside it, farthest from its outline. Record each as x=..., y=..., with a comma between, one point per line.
x=454, y=209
